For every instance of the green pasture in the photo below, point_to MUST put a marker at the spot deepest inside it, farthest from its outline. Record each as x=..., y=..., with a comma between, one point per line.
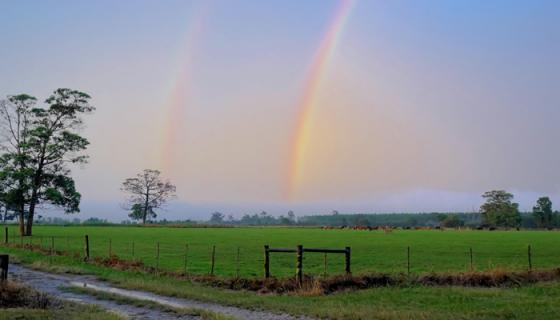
x=430, y=250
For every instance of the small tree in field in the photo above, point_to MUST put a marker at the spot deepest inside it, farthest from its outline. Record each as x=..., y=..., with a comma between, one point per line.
x=217, y=218
x=146, y=193
x=542, y=213
x=499, y=210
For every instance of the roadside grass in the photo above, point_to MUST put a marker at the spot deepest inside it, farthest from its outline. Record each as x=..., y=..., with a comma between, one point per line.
x=537, y=301
x=372, y=251
x=21, y=302
x=69, y=311
x=120, y=299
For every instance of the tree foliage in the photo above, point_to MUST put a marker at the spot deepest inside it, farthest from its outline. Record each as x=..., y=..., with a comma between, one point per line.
x=217, y=218
x=37, y=145
x=146, y=193
x=543, y=214
x=452, y=221
x=499, y=209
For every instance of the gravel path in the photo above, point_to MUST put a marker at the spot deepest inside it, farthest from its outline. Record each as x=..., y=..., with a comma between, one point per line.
x=52, y=283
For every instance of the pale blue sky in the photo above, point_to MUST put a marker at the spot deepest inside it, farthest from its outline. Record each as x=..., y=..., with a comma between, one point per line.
x=421, y=98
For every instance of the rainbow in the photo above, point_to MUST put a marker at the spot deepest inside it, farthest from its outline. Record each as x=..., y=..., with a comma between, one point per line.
x=313, y=80
x=179, y=93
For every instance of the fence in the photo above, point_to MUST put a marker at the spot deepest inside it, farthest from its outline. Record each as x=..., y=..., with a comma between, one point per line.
x=299, y=259
x=229, y=260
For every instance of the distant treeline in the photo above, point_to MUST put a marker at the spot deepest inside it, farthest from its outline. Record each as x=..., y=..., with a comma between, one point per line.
x=499, y=211
x=403, y=220
x=432, y=219
x=390, y=219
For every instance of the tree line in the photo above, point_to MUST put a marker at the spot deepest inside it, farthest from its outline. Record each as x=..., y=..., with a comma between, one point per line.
x=498, y=211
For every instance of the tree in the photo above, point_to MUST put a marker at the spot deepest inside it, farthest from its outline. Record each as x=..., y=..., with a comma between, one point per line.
x=38, y=144
x=499, y=210
x=146, y=193
x=542, y=213
x=217, y=218
x=452, y=221
x=411, y=222
x=292, y=217
x=137, y=213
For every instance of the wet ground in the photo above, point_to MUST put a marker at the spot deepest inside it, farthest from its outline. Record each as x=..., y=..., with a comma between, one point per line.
x=53, y=284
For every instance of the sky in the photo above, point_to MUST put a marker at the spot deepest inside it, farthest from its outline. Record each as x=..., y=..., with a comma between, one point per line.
x=311, y=106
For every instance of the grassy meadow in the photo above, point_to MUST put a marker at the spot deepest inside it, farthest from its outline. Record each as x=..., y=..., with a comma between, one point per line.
x=430, y=250
x=372, y=251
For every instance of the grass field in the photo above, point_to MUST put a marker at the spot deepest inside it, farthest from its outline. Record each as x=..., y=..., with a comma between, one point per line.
x=431, y=250
x=435, y=250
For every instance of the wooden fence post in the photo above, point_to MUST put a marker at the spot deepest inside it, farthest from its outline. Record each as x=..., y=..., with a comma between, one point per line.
x=86, y=258
x=266, y=262
x=408, y=260
x=299, y=265
x=471, y=256
x=186, y=257
x=529, y=258
x=52, y=250
x=213, y=260
x=157, y=257
x=237, y=263
x=6, y=234
x=325, y=263
x=347, y=260
x=4, y=263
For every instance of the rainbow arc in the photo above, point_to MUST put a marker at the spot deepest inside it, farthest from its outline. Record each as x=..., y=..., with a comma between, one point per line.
x=308, y=102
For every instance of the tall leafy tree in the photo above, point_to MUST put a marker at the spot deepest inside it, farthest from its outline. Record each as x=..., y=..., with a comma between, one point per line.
x=16, y=122
x=542, y=213
x=38, y=144
x=146, y=193
x=500, y=210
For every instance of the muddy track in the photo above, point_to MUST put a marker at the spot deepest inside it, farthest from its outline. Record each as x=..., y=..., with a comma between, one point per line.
x=53, y=284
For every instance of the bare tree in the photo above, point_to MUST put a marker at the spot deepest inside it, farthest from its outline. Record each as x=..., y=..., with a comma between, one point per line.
x=147, y=192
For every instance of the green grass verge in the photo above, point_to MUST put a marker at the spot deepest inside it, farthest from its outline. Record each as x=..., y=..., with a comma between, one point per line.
x=69, y=311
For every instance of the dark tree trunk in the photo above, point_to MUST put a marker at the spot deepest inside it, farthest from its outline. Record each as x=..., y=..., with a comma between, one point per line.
x=29, y=222
x=22, y=219
x=37, y=180
x=146, y=206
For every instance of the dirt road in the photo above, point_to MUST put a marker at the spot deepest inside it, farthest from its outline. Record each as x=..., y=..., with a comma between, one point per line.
x=53, y=284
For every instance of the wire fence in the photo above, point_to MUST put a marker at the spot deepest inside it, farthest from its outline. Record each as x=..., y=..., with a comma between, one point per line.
x=230, y=260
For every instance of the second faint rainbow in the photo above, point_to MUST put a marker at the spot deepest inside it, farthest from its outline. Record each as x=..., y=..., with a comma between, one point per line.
x=308, y=101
